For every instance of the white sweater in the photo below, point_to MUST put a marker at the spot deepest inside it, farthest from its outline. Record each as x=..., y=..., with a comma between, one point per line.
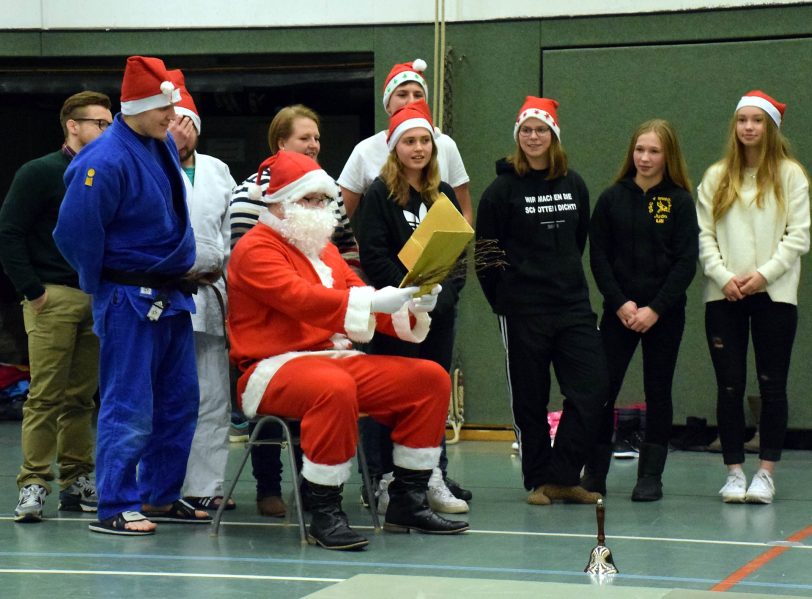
x=770, y=239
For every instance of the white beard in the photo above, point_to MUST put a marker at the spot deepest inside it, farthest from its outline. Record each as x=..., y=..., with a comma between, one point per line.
x=308, y=229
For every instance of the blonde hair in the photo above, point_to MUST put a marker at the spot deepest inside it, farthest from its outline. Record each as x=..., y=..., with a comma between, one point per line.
x=556, y=157
x=774, y=149
x=281, y=126
x=675, y=167
x=394, y=177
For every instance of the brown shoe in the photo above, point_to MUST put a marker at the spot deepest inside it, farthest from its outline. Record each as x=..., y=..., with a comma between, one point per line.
x=574, y=494
x=537, y=497
x=272, y=506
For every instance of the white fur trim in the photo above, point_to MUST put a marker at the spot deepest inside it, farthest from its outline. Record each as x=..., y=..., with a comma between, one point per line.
x=315, y=181
x=419, y=65
x=267, y=368
x=341, y=341
x=403, y=326
x=359, y=321
x=255, y=191
x=133, y=107
x=536, y=113
x=765, y=105
x=327, y=475
x=325, y=272
x=415, y=458
x=191, y=114
x=404, y=127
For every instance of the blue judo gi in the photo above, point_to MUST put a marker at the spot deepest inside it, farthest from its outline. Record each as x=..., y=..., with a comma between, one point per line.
x=125, y=210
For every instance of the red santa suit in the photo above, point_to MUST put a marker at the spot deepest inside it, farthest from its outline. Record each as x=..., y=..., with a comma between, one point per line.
x=292, y=321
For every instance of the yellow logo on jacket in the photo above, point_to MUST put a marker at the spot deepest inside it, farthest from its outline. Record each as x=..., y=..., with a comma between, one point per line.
x=91, y=172
x=660, y=208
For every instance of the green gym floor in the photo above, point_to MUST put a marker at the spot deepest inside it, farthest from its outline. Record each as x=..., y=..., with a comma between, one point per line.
x=684, y=546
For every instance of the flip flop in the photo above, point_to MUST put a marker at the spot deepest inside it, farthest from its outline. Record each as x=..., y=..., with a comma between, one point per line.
x=117, y=525
x=180, y=511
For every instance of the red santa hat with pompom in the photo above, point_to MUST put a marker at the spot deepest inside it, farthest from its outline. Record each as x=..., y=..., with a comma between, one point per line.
x=414, y=114
x=186, y=105
x=403, y=73
x=773, y=108
x=146, y=86
x=542, y=109
x=293, y=176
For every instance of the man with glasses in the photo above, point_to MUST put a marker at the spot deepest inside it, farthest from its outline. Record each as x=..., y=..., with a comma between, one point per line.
x=63, y=351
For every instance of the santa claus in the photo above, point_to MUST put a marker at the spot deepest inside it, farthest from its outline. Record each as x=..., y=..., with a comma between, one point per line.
x=295, y=310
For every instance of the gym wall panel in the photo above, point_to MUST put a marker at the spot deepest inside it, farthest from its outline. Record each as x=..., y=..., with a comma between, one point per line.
x=606, y=92
x=494, y=68
x=609, y=72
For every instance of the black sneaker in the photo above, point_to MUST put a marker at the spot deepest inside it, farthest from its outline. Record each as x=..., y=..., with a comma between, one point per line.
x=457, y=491
x=624, y=449
x=79, y=497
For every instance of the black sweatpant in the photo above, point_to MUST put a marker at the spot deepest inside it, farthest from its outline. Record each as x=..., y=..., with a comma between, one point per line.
x=660, y=348
x=568, y=341
x=728, y=326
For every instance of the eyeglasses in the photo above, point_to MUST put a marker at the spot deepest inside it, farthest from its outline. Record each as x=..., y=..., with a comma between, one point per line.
x=315, y=202
x=528, y=131
x=100, y=123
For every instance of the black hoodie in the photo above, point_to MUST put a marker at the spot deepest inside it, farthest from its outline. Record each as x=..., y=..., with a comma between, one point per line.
x=643, y=246
x=542, y=227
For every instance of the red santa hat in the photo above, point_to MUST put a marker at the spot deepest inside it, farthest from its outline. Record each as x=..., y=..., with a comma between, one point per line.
x=773, y=108
x=293, y=176
x=414, y=114
x=146, y=86
x=186, y=105
x=403, y=73
x=542, y=109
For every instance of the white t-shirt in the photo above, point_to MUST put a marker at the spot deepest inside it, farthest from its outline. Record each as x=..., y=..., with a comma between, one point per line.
x=369, y=156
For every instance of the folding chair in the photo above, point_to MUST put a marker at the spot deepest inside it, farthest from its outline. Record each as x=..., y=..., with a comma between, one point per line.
x=288, y=440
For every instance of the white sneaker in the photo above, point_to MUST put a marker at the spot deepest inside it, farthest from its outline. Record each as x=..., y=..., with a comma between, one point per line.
x=762, y=488
x=441, y=499
x=383, y=492
x=734, y=489
x=29, y=506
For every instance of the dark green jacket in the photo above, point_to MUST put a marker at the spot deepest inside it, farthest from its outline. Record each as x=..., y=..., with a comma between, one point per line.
x=27, y=220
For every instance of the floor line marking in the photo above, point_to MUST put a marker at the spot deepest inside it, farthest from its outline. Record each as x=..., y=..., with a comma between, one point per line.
x=668, y=579
x=761, y=560
x=526, y=533
x=170, y=574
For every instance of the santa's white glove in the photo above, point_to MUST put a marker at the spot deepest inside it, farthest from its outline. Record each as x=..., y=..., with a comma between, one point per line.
x=425, y=303
x=391, y=299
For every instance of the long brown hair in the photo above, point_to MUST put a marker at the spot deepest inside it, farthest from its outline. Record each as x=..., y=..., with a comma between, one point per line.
x=556, y=156
x=394, y=176
x=282, y=124
x=774, y=149
x=675, y=167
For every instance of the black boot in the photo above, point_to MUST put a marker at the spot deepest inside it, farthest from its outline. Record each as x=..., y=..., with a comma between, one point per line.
x=328, y=524
x=649, y=485
x=596, y=469
x=409, y=506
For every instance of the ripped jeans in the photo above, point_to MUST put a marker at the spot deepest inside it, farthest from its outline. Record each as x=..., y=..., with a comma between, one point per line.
x=728, y=326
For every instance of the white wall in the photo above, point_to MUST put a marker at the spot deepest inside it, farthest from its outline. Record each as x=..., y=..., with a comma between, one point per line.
x=168, y=14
